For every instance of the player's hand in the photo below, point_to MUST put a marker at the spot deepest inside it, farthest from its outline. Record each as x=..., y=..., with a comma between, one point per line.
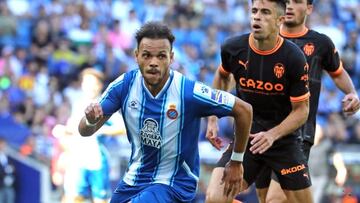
x=351, y=104
x=94, y=113
x=261, y=142
x=232, y=178
x=212, y=133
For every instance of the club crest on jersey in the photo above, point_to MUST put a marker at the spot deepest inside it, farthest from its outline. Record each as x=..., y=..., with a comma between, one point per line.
x=279, y=70
x=149, y=133
x=309, y=49
x=171, y=112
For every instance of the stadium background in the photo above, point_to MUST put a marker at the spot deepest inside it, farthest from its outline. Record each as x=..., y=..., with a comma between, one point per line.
x=44, y=44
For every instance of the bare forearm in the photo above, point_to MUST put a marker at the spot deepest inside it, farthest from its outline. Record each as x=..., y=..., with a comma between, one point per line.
x=223, y=82
x=344, y=83
x=88, y=130
x=293, y=121
x=243, y=121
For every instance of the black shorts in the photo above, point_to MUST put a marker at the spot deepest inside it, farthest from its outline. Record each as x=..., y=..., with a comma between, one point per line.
x=263, y=180
x=306, y=146
x=287, y=161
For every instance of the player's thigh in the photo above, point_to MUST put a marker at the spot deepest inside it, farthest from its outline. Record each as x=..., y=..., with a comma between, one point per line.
x=290, y=166
x=299, y=196
x=214, y=193
x=156, y=193
x=262, y=184
x=275, y=194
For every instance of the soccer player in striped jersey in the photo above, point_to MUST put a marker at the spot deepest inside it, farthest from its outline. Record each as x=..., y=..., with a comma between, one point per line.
x=162, y=111
x=321, y=55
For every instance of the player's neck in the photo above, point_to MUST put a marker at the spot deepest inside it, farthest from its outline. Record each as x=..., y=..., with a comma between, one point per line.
x=267, y=44
x=293, y=29
x=155, y=89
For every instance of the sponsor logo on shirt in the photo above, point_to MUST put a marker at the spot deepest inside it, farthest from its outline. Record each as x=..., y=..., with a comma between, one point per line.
x=133, y=104
x=150, y=134
x=260, y=85
x=245, y=65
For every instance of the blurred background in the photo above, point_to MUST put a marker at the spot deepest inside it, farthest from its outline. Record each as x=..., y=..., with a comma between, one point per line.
x=45, y=44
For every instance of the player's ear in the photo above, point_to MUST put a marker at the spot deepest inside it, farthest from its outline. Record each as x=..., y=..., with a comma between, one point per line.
x=171, y=57
x=136, y=53
x=309, y=9
x=280, y=20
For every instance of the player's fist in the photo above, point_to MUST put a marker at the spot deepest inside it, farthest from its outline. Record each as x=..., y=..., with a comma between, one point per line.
x=350, y=104
x=93, y=113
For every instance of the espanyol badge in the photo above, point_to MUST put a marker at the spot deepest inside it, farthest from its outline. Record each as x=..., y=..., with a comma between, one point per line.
x=171, y=112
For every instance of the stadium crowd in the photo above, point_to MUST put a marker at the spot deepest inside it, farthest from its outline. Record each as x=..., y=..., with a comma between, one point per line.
x=45, y=44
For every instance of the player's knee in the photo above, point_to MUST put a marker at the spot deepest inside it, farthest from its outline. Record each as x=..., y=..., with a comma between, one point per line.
x=261, y=194
x=214, y=197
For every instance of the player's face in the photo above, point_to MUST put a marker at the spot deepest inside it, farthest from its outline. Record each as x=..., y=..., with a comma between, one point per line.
x=154, y=57
x=265, y=19
x=296, y=12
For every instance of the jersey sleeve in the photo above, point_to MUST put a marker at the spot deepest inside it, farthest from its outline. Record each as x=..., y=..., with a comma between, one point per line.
x=216, y=102
x=331, y=59
x=224, y=67
x=299, y=78
x=110, y=100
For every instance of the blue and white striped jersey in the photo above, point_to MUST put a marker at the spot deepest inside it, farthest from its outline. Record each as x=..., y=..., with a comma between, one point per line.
x=163, y=130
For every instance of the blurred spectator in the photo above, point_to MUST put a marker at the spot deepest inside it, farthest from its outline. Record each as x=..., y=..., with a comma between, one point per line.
x=8, y=25
x=318, y=163
x=86, y=166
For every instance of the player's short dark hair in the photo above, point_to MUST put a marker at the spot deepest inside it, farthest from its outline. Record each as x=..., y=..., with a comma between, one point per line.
x=310, y=2
x=92, y=71
x=154, y=30
x=280, y=3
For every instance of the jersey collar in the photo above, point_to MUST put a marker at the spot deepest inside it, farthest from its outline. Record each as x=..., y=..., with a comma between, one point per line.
x=278, y=44
x=294, y=35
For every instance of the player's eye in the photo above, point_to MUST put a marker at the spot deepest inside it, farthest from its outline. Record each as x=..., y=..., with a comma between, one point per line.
x=145, y=55
x=161, y=56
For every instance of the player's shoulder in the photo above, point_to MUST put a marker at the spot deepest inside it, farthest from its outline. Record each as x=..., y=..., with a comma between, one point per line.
x=292, y=52
x=290, y=47
x=320, y=37
x=236, y=43
x=125, y=77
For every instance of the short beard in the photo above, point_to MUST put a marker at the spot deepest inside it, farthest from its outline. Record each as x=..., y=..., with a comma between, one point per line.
x=291, y=24
x=294, y=23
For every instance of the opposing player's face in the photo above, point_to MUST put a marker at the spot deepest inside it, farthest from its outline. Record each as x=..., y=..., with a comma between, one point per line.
x=154, y=57
x=296, y=12
x=265, y=19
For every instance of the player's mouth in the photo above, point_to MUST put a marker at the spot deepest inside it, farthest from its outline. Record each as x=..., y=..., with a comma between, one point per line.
x=152, y=72
x=256, y=27
x=289, y=15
